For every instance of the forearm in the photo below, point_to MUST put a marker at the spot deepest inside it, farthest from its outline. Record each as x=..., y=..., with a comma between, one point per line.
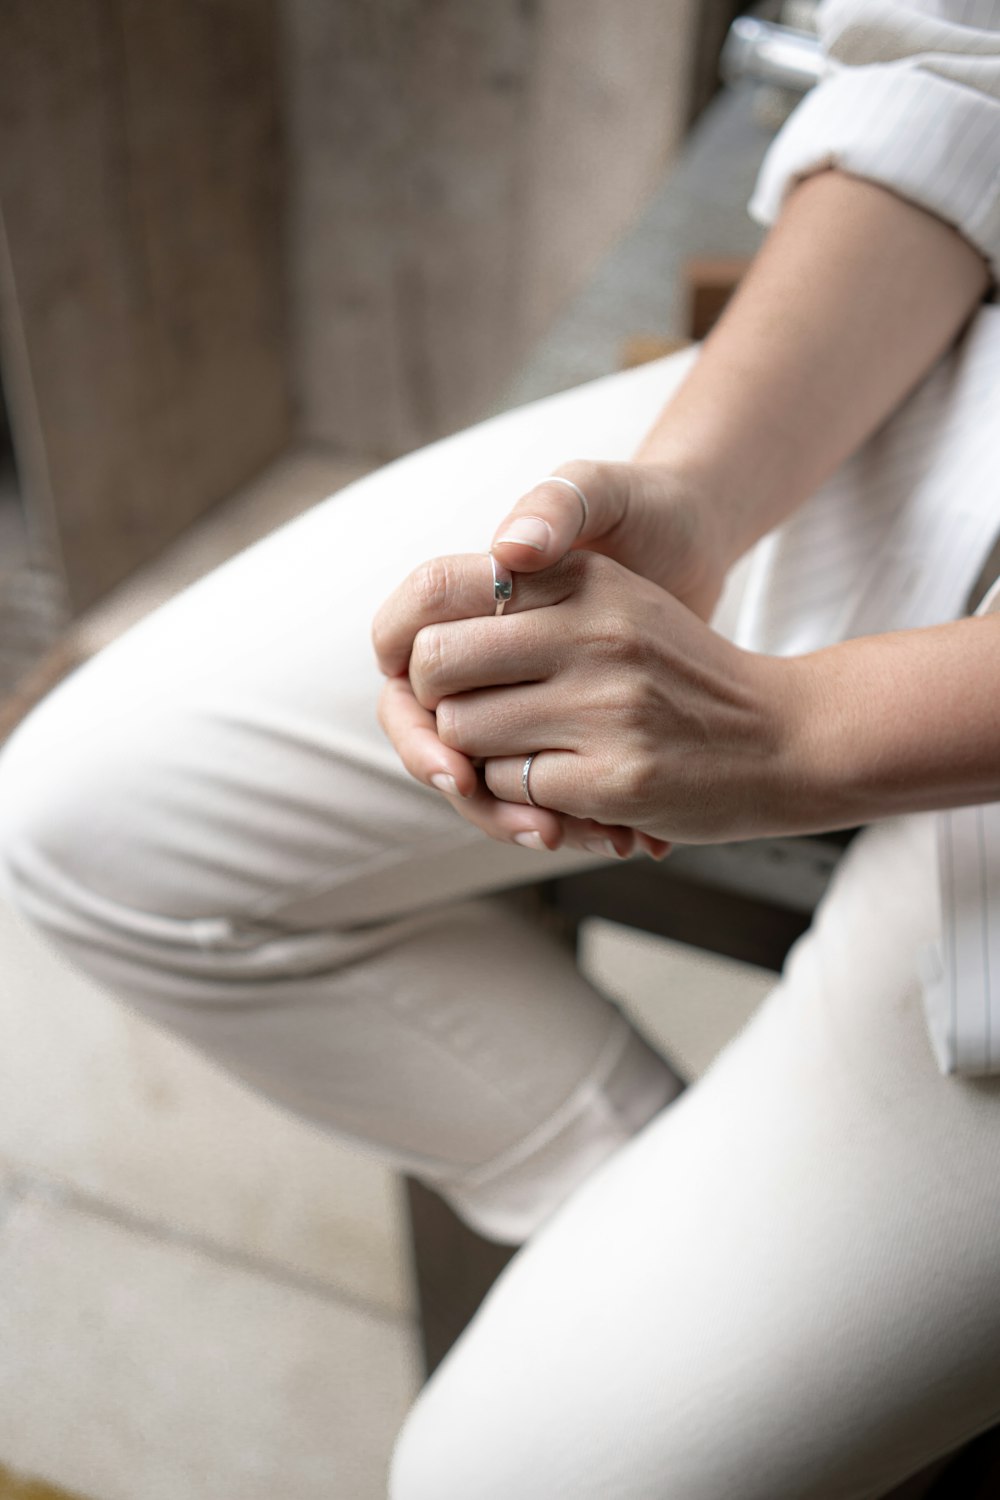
x=898, y=723
x=853, y=297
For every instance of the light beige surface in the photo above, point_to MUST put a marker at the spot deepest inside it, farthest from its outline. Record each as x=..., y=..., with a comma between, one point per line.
x=133, y=1368
x=199, y=1295
x=455, y=172
x=95, y=1098
x=688, y=1002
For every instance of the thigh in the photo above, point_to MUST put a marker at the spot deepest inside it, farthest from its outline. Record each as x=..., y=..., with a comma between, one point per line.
x=224, y=755
x=786, y=1286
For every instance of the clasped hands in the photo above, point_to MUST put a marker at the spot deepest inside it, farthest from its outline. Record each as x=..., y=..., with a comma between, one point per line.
x=647, y=726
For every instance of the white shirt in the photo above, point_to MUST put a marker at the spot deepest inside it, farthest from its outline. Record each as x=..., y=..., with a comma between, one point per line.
x=910, y=99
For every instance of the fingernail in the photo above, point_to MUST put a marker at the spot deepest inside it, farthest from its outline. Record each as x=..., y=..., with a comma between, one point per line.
x=601, y=846
x=446, y=784
x=528, y=531
x=532, y=840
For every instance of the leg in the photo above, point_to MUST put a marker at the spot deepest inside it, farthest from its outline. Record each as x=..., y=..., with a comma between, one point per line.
x=208, y=820
x=786, y=1287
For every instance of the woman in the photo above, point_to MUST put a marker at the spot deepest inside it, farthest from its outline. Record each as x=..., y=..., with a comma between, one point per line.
x=787, y=1283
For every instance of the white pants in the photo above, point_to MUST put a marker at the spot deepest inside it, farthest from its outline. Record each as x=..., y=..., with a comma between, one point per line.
x=785, y=1285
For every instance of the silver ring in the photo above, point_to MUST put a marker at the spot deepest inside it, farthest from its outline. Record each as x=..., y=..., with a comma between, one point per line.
x=558, y=479
x=524, y=779
x=503, y=585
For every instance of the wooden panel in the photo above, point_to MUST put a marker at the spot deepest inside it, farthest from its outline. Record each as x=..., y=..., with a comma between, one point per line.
x=140, y=185
x=709, y=284
x=17, y=1487
x=402, y=210
x=607, y=109
x=714, y=20
x=457, y=170
x=756, y=932
x=454, y=1268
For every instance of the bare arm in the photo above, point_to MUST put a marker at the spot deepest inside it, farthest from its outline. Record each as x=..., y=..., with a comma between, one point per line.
x=853, y=297
x=898, y=723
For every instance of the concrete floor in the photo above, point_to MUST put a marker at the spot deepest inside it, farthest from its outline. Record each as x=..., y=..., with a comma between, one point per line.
x=200, y=1296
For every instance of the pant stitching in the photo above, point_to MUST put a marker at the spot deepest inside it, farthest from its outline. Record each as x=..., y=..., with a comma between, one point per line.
x=588, y=1088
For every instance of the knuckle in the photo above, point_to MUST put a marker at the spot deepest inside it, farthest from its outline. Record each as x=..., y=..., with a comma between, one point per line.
x=600, y=576
x=614, y=636
x=446, y=717
x=620, y=711
x=634, y=776
x=432, y=584
x=428, y=655
x=578, y=568
x=380, y=636
x=578, y=572
x=582, y=471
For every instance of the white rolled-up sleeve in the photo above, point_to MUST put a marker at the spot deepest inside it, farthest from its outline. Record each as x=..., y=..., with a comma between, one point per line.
x=910, y=99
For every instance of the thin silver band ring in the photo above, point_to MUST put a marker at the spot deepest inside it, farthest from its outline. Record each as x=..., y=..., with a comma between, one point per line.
x=503, y=585
x=524, y=779
x=558, y=479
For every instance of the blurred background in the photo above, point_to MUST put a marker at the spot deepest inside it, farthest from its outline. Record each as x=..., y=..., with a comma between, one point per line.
x=249, y=250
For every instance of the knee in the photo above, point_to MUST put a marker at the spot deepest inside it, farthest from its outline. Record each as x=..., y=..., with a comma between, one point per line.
x=468, y=1434
x=421, y=1459
x=71, y=814
x=40, y=785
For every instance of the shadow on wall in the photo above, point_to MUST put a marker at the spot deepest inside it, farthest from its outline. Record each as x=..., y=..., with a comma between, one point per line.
x=15, y=1487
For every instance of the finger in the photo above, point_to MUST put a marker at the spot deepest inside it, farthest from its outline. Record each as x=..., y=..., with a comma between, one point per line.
x=611, y=840
x=501, y=721
x=657, y=848
x=518, y=823
x=551, y=519
x=461, y=655
x=458, y=587
x=505, y=777
x=556, y=780
x=411, y=730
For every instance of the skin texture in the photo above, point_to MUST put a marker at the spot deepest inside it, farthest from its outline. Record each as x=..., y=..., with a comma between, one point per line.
x=655, y=728
x=653, y=721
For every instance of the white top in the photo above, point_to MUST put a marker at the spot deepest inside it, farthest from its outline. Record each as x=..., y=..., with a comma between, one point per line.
x=910, y=99
x=898, y=536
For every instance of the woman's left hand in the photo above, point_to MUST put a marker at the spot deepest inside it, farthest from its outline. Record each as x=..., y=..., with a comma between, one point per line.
x=638, y=714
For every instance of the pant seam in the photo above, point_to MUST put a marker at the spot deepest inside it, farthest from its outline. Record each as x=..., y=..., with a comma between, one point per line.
x=587, y=1089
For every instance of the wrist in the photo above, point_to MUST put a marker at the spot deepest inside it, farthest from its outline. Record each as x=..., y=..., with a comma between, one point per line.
x=788, y=794
x=845, y=741
x=892, y=724
x=810, y=755
x=721, y=492
x=817, y=777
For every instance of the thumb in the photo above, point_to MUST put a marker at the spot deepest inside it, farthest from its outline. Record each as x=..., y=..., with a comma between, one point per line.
x=552, y=518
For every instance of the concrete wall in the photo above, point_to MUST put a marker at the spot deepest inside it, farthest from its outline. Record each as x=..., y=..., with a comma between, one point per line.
x=456, y=169
x=141, y=278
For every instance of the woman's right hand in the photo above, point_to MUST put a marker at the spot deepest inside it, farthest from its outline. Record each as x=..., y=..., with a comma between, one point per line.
x=647, y=516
